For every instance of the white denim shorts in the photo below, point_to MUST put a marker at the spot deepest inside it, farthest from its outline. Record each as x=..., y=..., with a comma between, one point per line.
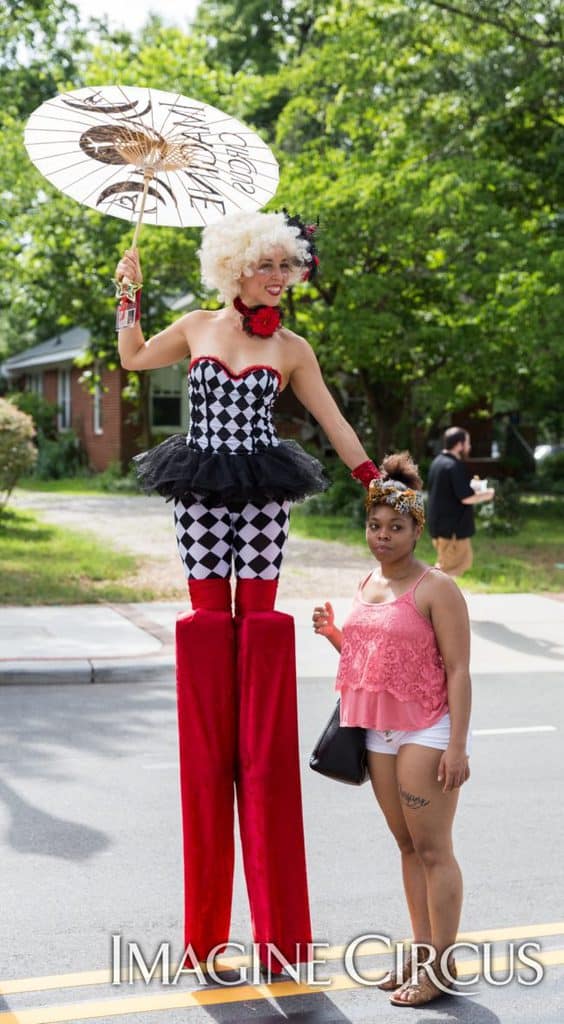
x=388, y=741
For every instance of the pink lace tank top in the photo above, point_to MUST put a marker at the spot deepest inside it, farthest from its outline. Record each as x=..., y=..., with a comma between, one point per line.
x=391, y=674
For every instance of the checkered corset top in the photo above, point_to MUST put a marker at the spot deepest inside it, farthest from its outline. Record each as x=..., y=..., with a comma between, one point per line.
x=231, y=413
x=232, y=453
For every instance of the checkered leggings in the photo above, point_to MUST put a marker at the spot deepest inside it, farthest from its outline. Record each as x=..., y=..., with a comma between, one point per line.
x=252, y=537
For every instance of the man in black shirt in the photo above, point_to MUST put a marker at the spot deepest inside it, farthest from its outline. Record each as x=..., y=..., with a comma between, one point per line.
x=450, y=513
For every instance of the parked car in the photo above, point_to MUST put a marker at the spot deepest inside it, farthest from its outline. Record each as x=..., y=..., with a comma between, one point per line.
x=543, y=451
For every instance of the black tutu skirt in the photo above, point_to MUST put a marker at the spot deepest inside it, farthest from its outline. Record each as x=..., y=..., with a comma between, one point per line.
x=284, y=472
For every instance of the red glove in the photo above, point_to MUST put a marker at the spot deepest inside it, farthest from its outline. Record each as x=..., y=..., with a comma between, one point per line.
x=366, y=472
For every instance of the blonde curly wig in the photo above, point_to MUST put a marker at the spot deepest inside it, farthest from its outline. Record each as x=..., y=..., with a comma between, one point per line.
x=233, y=246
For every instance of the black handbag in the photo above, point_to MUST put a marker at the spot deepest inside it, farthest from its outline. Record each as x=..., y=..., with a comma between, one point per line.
x=340, y=752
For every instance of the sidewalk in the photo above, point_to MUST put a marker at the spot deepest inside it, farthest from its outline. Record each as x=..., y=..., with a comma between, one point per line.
x=134, y=642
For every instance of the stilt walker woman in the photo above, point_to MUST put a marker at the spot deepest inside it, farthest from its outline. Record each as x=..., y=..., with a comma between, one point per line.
x=232, y=481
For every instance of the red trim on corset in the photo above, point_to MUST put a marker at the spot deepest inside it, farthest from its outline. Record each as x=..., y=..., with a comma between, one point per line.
x=242, y=373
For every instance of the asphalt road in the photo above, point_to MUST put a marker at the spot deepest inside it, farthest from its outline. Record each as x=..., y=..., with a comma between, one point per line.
x=90, y=846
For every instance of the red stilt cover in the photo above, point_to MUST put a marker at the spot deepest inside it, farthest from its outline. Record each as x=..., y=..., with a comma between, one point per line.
x=205, y=673
x=213, y=594
x=255, y=595
x=268, y=785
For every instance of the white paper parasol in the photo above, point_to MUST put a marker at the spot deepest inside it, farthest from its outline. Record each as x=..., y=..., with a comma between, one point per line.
x=150, y=156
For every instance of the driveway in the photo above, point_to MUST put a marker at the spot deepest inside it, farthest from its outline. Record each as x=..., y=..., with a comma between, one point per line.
x=314, y=569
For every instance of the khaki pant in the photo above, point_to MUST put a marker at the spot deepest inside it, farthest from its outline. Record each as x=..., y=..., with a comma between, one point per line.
x=454, y=555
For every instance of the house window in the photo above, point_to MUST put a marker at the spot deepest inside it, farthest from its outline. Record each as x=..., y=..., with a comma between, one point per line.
x=64, y=399
x=166, y=398
x=98, y=423
x=34, y=383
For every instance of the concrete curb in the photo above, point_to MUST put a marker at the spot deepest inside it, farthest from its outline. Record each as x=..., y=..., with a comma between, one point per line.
x=511, y=633
x=73, y=671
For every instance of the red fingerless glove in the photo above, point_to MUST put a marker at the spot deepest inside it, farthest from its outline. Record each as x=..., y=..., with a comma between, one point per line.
x=366, y=472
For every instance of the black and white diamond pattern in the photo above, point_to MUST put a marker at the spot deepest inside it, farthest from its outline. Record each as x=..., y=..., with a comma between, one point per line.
x=204, y=537
x=231, y=414
x=259, y=539
x=209, y=539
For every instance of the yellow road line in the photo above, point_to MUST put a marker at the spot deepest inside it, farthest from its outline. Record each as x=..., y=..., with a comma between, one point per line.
x=91, y=1010
x=103, y=976
x=486, y=935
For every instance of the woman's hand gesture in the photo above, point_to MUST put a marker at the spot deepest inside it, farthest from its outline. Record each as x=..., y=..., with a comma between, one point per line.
x=129, y=267
x=324, y=619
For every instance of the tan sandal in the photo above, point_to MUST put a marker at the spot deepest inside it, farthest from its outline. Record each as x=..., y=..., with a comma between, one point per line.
x=425, y=989
x=395, y=979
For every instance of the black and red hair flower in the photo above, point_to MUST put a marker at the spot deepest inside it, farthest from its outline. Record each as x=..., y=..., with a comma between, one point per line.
x=307, y=233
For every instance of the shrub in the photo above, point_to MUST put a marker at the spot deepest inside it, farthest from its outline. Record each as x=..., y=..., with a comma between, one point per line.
x=345, y=497
x=17, y=450
x=43, y=413
x=62, y=457
x=504, y=515
x=58, y=455
x=550, y=473
x=114, y=480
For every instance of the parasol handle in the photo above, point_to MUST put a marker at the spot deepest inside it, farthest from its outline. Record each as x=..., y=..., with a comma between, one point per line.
x=124, y=286
x=146, y=181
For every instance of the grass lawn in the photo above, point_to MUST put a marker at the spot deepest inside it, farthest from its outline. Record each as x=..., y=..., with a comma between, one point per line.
x=94, y=483
x=531, y=560
x=42, y=564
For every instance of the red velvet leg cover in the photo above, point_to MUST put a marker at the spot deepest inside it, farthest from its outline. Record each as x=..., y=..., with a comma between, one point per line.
x=213, y=594
x=268, y=785
x=205, y=666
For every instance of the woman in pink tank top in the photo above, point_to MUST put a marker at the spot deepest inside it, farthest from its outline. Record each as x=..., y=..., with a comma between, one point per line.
x=404, y=677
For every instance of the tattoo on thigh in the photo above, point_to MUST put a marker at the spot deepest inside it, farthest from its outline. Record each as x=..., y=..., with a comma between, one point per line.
x=412, y=801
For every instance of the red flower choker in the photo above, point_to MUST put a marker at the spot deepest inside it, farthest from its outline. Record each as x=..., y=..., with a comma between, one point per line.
x=261, y=320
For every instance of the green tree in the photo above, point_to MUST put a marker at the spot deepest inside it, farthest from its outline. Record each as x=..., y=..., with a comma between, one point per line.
x=41, y=49
x=41, y=43
x=427, y=138
x=256, y=36
x=411, y=133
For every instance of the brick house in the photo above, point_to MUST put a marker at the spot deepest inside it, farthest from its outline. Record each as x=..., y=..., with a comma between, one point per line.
x=104, y=422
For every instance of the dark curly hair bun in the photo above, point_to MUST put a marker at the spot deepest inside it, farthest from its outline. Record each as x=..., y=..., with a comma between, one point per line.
x=400, y=466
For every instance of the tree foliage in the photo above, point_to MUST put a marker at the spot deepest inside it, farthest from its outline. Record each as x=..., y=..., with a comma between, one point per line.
x=431, y=157
x=426, y=136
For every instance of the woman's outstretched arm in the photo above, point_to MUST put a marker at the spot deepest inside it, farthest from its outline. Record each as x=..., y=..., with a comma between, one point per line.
x=306, y=381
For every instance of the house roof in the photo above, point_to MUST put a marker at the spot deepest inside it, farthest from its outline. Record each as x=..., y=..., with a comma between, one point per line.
x=177, y=302
x=62, y=348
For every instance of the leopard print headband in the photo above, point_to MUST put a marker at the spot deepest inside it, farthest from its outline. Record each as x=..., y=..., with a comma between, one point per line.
x=400, y=497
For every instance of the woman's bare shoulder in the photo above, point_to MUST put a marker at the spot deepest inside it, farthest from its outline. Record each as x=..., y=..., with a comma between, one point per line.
x=291, y=337
x=203, y=315
x=296, y=347
x=441, y=587
x=196, y=320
